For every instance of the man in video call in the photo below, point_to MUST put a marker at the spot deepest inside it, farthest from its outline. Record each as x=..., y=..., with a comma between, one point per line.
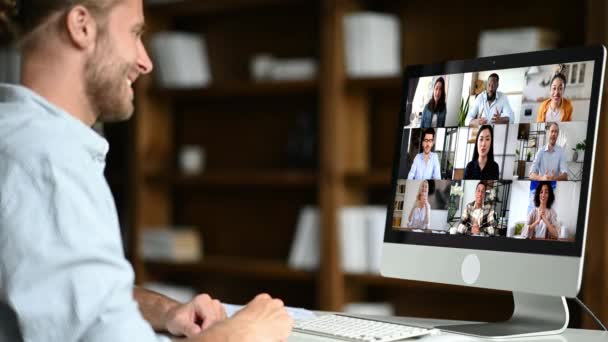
x=490, y=107
x=550, y=161
x=478, y=217
x=426, y=163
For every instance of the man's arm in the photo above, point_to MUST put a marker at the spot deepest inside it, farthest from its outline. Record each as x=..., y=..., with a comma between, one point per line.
x=154, y=307
x=76, y=284
x=473, y=112
x=412, y=173
x=535, y=168
x=436, y=168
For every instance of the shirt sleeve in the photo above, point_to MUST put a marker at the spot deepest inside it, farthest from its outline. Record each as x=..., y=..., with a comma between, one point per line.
x=535, y=168
x=506, y=109
x=63, y=271
x=474, y=111
x=436, y=167
x=412, y=173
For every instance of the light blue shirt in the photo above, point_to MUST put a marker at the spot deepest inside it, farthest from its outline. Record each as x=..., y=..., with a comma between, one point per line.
x=62, y=267
x=425, y=170
x=481, y=108
x=546, y=161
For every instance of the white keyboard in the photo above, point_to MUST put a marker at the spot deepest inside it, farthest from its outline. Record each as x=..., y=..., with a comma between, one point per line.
x=357, y=329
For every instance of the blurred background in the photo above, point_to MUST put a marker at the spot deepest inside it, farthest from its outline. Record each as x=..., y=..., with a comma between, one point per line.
x=259, y=158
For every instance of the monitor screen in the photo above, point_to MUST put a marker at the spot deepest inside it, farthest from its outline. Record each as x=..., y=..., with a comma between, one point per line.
x=496, y=153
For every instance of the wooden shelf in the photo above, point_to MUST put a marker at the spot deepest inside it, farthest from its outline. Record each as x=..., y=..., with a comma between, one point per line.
x=233, y=266
x=197, y=7
x=374, y=178
x=374, y=83
x=241, y=89
x=244, y=178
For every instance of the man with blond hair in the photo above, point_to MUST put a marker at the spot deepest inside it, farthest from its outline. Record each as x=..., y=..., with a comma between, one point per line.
x=63, y=274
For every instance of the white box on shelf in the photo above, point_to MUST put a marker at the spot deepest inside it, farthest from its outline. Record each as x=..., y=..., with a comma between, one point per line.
x=515, y=40
x=181, y=60
x=372, y=44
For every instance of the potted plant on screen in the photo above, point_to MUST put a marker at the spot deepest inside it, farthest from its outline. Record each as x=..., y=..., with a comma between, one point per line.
x=579, y=156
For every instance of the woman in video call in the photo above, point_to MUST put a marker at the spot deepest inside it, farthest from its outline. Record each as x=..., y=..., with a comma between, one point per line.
x=483, y=165
x=556, y=107
x=421, y=211
x=435, y=109
x=542, y=220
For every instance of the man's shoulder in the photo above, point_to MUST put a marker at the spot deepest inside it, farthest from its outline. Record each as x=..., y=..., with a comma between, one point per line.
x=26, y=135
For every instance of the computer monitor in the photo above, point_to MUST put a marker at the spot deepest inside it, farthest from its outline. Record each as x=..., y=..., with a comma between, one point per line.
x=492, y=180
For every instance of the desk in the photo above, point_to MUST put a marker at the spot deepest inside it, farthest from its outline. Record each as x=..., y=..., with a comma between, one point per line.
x=570, y=335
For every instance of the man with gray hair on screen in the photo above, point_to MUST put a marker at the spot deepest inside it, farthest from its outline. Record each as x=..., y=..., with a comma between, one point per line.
x=63, y=274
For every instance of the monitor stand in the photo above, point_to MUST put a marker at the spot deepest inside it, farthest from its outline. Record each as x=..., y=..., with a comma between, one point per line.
x=533, y=315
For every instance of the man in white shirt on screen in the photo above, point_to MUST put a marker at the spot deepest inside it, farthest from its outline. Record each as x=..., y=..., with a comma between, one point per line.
x=426, y=163
x=490, y=107
x=63, y=273
x=550, y=161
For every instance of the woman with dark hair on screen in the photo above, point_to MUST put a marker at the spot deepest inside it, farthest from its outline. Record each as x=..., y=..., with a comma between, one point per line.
x=433, y=114
x=483, y=165
x=556, y=108
x=542, y=220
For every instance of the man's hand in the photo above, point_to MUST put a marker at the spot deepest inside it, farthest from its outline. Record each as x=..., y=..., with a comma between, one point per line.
x=192, y=318
x=477, y=122
x=263, y=319
x=475, y=229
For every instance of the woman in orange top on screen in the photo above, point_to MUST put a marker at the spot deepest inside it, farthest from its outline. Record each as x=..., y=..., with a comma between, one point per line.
x=557, y=107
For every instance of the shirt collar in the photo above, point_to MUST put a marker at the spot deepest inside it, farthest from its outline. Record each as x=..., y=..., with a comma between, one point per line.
x=90, y=140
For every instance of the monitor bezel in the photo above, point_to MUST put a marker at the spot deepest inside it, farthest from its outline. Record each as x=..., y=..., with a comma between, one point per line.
x=569, y=55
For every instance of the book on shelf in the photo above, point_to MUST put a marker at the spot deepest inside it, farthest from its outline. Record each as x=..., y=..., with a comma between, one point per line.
x=361, y=233
x=515, y=40
x=173, y=244
x=372, y=44
x=181, y=60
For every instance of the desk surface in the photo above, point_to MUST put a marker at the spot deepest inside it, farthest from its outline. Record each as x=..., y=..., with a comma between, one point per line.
x=569, y=335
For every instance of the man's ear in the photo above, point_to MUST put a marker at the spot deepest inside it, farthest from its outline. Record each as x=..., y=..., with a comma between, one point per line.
x=81, y=27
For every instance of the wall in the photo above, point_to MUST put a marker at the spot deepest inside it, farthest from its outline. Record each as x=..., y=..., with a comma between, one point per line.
x=454, y=97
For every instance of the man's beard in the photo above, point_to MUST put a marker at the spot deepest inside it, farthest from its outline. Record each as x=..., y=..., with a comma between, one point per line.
x=491, y=98
x=106, y=83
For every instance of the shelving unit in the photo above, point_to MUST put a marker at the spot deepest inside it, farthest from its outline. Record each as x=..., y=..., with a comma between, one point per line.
x=247, y=200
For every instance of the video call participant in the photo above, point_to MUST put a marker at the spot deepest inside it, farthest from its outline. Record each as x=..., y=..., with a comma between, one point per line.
x=550, y=161
x=426, y=163
x=542, y=220
x=483, y=166
x=491, y=106
x=556, y=108
x=478, y=217
x=421, y=211
x=433, y=114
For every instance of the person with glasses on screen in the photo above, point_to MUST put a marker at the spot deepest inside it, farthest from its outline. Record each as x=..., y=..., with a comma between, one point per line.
x=433, y=114
x=478, y=216
x=421, y=211
x=556, y=108
x=550, y=161
x=542, y=219
x=491, y=106
x=483, y=165
x=426, y=163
